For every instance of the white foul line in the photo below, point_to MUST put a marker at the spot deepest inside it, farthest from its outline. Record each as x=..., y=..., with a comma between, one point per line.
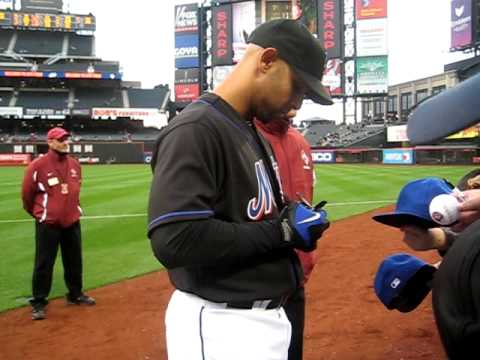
x=145, y=214
x=361, y=203
x=82, y=218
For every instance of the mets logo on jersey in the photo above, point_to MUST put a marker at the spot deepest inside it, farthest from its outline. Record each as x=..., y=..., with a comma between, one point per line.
x=263, y=203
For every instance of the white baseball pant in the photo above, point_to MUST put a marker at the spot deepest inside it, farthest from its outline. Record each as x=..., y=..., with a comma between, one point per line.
x=198, y=329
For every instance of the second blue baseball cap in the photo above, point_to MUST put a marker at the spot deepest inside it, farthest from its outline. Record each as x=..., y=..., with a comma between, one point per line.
x=403, y=281
x=413, y=203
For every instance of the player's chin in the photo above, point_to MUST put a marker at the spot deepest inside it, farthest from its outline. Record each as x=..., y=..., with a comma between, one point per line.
x=264, y=117
x=269, y=114
x=285, y=120
x=280, y=118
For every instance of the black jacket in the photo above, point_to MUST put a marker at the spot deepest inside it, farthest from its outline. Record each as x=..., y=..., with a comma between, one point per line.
x=214, y=207
x=456, y=296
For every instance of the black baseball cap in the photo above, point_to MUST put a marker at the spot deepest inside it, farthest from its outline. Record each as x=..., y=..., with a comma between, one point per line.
x=446, y=113
x=299, y=49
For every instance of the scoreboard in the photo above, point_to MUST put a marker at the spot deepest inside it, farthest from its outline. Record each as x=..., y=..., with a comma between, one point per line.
x=44, y=21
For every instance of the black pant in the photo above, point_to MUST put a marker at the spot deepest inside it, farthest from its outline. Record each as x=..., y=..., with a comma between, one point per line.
x=47, y=240
x=295, y=309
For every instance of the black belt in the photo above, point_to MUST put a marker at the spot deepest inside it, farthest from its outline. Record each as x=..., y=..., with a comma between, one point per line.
x=267, y=304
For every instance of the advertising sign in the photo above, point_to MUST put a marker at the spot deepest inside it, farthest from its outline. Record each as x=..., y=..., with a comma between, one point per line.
x=220, y=73
x=88, y=160
x=186, y=93
x=222, y=50
x=46, y=113
x=15, y=159
x=5, y=19
x=330, y=27
x=332, y=77
x=370, y=9
x=147, y=157
x=372, y=37
x=187, y=76
x=42, y=5
x=469, y=133
x=11, y=111
x=372, y=74
x=278, y=10
x=187, y=85
x=42, y=21
x=461, y=23
x=77, y=75
x=186, y=18
x=186, y=50
x=305, y=11
x=6, y=4
x=13, y=73
x=397, y=133
x=61, y=75
x=243, y=25
x=81, y=112
x=114, y=113
x=323, y=156
x=398, y=156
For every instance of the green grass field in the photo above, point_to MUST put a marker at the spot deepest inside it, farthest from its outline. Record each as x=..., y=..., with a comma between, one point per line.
x=114, y=198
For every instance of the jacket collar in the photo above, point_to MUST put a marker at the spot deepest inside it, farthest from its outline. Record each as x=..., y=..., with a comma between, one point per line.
x=275, y=127
x=56, y=155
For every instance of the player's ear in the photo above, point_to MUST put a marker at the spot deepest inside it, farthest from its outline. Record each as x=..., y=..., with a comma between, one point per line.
x=267, y=58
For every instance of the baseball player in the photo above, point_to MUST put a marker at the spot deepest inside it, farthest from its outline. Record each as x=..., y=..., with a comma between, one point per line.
x=217, y=218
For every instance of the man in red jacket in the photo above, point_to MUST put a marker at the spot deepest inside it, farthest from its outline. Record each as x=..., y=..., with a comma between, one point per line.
x=50, y=194
x=294, y=159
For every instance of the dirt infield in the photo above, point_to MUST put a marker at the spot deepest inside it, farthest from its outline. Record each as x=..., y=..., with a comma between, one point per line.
x=345, y=321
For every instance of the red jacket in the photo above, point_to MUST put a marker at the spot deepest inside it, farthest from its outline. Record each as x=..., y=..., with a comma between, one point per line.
x=51, y=189
x=294, y=158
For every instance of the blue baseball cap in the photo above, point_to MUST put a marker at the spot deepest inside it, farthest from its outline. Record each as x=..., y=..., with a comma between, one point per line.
x=413, y=203
x=403, y=281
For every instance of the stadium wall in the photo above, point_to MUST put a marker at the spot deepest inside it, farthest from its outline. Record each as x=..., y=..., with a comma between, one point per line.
x=139, y=152
x=399, y=156
x=91, y=153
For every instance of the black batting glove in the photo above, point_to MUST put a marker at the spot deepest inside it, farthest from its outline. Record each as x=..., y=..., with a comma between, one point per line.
x=303, y=225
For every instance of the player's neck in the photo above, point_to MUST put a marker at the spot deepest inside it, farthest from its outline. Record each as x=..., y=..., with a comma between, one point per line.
x=236, y=92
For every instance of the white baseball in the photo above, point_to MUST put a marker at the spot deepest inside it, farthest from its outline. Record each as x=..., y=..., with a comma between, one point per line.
x=444, y=209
